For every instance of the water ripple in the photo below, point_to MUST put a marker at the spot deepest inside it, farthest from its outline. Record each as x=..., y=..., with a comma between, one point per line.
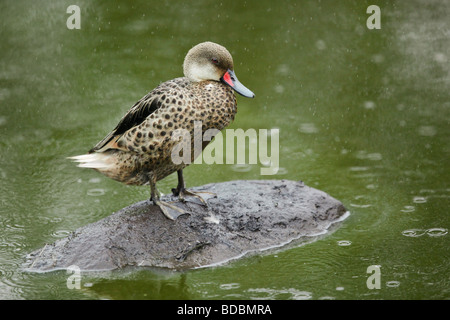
x=419, y=199
x=408, y=209
x=361, y=201
x=61, y=233
x=241, y=167
x=413, y=233
x=285, y=294
x=393, y=284
x=229, y=286
x=96, y=192
x=432, y=232
x=437, y=232
x=344, y=243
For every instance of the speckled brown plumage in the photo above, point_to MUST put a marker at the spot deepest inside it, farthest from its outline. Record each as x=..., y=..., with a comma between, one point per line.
x=145, y=149
x=139, y=150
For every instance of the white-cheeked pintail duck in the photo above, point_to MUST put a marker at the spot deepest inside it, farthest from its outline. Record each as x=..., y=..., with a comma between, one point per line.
x=138, y=150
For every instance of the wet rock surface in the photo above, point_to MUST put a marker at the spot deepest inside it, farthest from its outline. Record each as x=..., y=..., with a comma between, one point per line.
x=242, y=217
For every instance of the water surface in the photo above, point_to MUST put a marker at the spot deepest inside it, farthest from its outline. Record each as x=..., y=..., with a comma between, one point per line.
x=363, y=115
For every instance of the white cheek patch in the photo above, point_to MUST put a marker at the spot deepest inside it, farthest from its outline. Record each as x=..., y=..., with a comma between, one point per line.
x=202, y=72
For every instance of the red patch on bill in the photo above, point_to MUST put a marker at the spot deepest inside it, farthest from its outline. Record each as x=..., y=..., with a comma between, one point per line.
x=227, y=79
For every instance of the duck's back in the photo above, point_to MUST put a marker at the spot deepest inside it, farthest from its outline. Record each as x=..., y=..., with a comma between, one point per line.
x=142, y=141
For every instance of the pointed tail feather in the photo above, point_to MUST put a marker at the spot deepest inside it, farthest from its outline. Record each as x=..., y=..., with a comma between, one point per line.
x=93, y=160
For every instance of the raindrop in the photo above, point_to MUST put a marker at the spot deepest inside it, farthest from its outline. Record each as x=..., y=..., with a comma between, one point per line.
x=321, y=45
x=273, y=294
x=369, y=105
x=408, y=209
x=374, y=156
x=279, y=88
x=362, y=154
x=229, y=286
x=308, y=128
x=56, y=219
x=359, y=168
x=344, y=243
x=360, y=205
x=413, y=233
x=427, y=191
x=61, y=233
x=419, y=200
x=400, y=107
x=437, y=232
x=440, y=57
x=393, y=284
x=427, y=131
x=300, y=295
x=283, y=69
x=96, y=192
x=327, y=298
x=378, y=58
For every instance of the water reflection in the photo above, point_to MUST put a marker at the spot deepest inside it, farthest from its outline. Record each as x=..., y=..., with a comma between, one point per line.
x=137, y=285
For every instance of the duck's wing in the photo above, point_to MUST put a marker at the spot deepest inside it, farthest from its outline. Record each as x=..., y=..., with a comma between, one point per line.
x=135, y=116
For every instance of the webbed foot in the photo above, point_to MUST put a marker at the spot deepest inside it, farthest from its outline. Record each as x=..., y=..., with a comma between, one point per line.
x=171, y=211
x=183, y=193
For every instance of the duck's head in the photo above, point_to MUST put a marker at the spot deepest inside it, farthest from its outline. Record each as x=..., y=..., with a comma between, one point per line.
x=211, y=61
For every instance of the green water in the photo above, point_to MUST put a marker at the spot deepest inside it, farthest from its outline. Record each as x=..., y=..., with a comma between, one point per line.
x=363, y=115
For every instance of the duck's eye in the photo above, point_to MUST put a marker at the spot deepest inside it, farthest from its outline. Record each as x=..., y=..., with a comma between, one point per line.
x=214, y=60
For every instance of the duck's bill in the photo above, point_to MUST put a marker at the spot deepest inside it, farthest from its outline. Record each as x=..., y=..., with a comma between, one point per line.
x=230, y=79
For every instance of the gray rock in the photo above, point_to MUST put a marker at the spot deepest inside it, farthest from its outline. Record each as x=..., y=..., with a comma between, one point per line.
x=243, y=217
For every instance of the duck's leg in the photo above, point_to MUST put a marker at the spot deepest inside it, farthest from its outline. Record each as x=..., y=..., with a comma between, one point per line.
x=172, y=212
x=181, y=191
